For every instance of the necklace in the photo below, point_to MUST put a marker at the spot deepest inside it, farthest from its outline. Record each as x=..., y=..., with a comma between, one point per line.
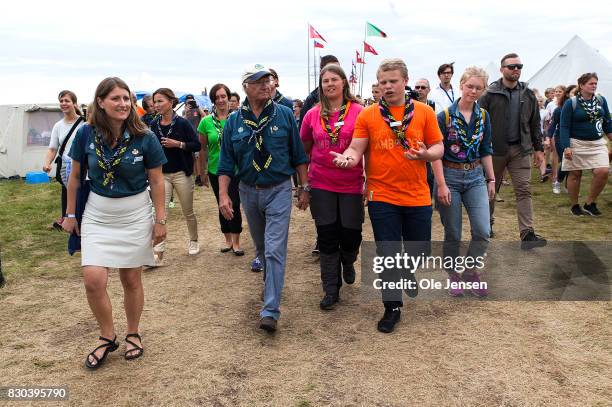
x=159, y=129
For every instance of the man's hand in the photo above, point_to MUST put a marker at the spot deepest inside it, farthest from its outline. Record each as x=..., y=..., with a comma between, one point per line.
x=417, y=154
x=225, y=207
x=343, y=161
x=303, y=199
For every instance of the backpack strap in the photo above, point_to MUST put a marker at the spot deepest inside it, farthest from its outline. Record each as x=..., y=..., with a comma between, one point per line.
x=447, y=116
x=483, y=113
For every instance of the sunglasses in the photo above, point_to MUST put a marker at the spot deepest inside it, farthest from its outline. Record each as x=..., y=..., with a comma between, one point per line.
x=420, y=87
x=514, y=66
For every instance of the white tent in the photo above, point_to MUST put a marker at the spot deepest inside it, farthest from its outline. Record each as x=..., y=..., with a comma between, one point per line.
x=574, y=59
x=492, y=70
x=25, y=131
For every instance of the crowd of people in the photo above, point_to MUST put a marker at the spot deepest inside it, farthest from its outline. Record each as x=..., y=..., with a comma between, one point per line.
x=406, y=149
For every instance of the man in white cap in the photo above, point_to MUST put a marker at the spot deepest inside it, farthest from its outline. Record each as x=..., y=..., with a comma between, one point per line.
x=262, y=141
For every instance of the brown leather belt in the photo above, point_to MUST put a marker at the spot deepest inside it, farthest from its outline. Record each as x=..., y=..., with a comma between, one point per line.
x=461, y=166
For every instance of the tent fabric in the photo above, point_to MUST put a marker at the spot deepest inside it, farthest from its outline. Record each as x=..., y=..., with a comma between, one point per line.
x=25, y=132
x=571, y=61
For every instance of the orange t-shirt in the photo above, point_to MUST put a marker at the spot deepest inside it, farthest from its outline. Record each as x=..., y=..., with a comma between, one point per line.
x=391, y=177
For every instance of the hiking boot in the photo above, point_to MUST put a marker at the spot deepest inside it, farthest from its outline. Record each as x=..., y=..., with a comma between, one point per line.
x=268, y=324
x=481, y=288
x=531, y=240
x=591, y=209
x=458, y=290
x=389, y=319
x=576, y=210
x=348, y=273
x=256, y=265
x=329, y=301
x=556, y=187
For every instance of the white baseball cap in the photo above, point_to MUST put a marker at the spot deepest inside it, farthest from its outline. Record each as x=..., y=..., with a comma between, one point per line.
x=253, y=72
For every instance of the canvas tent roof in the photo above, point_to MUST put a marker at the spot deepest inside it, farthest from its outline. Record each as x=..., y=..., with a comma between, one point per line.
x=572, y=60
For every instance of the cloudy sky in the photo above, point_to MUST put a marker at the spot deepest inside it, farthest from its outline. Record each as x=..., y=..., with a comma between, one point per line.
x=187, y=46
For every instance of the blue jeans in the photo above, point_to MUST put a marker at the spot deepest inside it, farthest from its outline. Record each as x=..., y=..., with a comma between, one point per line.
x=392, y=225
x=268, y=212
x=467, y=187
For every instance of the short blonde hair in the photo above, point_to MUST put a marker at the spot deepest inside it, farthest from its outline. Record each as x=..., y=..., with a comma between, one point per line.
x=474, y=71
x=393, y=64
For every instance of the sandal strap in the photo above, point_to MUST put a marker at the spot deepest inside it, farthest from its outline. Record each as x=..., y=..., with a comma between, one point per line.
x=136, y=347
x=110, y=341
x=109, y=344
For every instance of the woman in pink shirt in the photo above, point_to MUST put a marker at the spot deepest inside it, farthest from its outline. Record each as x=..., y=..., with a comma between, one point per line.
x=336, y=193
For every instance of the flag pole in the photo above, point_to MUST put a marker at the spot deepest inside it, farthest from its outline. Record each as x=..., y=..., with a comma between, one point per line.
x=365, y=33
x=308, y=62
x=314, y=66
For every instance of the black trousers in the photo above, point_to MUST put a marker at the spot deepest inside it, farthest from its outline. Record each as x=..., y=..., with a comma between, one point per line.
x=234, y=225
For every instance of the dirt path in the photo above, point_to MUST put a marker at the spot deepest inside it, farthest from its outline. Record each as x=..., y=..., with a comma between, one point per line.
x=203, y=348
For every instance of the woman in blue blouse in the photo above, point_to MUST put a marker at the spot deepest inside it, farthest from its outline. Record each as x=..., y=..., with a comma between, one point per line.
x=585, y=119
x=459, y=174
x=117, y=230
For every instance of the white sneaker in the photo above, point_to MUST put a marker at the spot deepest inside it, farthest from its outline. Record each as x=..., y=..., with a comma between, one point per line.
x=556, y=187
x=158, y=261
x=194, y=247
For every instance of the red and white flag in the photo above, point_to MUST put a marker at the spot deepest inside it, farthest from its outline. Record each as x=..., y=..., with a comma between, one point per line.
x=368, y=48
x=314, y=33
x=317, y=44
x=359, y=59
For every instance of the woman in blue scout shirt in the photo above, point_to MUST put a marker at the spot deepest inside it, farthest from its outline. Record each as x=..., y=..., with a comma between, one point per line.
x=117, y=230
x=180, y=141
x=459, y=174
x=585, y=119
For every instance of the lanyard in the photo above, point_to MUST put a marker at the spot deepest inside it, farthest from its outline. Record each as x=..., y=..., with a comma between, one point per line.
x=452, y=100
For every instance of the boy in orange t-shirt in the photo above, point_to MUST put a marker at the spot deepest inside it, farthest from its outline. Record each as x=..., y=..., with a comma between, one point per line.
x=398, y=135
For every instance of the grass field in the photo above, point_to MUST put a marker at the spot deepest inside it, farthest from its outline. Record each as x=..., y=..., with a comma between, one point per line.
x=202, y=346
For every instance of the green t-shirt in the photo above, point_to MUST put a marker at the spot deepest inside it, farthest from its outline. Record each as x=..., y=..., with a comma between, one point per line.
x=207, y=127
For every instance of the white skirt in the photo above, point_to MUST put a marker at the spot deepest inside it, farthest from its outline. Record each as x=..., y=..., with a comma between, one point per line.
x=586, y=155
x=117, y=232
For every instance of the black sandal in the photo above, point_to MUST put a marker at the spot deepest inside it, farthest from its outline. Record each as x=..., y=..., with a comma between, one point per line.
x=109, y=346
x=138, y=349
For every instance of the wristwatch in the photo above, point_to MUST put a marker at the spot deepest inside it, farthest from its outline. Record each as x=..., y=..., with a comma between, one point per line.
x=305, y=187
x=161, y=221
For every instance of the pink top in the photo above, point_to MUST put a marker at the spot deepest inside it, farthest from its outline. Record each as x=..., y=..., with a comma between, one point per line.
x=322, y=173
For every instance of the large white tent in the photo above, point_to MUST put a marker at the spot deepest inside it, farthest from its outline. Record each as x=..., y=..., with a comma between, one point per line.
x=25, y=132
x=571, y=61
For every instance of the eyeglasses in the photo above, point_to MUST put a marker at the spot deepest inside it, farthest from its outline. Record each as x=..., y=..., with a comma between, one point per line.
x=447, y=73
x=421, y=87
x=514, y=66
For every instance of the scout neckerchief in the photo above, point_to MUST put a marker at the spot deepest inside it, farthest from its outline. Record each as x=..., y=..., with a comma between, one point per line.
x=159, y=129
x=218, y=126
x=109, y=165
x=469, y=142
x=593, y=111
x=333, y=133
x=261, y=157
x=398, y=128
x=278, y=97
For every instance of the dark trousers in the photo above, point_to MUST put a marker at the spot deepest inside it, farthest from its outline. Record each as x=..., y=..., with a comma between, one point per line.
x=338, y=218
x=64, y=200
x=392, y=225
x=234, y=225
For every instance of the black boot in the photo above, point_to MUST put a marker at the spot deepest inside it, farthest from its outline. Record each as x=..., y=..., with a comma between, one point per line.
x=348, y=267
x=330, y=266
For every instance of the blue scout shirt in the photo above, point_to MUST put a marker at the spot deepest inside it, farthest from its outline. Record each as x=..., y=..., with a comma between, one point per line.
x=281, y=138
x=143, y=153
x=454, y=150
x=575, y=123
